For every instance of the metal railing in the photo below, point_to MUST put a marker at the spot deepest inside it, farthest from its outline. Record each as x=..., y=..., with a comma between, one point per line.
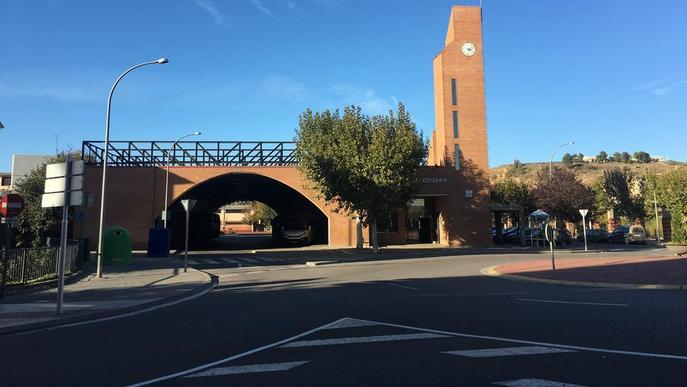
x=37, y=264
x=190, y=153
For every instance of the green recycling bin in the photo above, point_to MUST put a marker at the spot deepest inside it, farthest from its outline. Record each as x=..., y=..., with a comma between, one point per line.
x=116, y=246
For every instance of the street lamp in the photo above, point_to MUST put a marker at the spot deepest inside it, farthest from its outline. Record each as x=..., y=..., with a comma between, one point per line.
x=99, y=270
x=167, y=174
x=554, y=152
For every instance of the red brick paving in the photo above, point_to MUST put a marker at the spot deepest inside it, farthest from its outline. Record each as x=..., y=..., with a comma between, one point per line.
x=654, y=270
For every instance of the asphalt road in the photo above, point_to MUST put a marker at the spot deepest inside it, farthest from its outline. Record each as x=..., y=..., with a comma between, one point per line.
x=411, y=322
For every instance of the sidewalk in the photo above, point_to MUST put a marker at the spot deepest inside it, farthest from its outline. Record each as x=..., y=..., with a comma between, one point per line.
x=666, y=272
x=142, y=284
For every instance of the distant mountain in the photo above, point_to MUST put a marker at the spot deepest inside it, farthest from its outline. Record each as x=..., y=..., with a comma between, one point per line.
x=587, y=172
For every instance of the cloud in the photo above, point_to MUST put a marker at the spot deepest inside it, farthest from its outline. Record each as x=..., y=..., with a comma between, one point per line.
x=210, y=7
x=259, y=5
x=660, y=87
x=282, y=87
x=365, y=97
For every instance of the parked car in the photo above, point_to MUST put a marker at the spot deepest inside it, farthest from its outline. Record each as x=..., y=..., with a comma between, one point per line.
x=637, y=234
x=595, y=236
x=292, y=230
x=618, y=235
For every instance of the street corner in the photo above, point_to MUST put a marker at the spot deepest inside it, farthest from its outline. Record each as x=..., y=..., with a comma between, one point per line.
x=611, y=272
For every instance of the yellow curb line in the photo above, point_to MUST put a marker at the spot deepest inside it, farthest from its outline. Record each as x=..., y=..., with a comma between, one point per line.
x=492, y=272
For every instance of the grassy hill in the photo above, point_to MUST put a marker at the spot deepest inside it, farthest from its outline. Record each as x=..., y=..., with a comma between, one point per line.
x=588, y=173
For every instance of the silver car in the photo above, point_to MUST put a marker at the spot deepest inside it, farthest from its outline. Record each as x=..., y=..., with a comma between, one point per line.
x=637, y=234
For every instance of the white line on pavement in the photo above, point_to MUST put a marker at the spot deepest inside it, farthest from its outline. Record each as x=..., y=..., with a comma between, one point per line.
x=535, y=383
x=508, y=340
x=572, y=302
x=246, y=369
x=350, y=323
x=234, y=357
x=402, y=286
x=229, y=260
x=362, y=339
x=192, y=262
x=512, y=351
x=249, y=260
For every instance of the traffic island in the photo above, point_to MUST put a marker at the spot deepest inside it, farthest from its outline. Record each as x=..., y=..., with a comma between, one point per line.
x=641, y=273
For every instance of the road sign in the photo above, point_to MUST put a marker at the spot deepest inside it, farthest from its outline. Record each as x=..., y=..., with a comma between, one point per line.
x=11, y=205
x=188, y=204
x=583, y=213
x=57, y=199
x=57, y=184
x=60, y=170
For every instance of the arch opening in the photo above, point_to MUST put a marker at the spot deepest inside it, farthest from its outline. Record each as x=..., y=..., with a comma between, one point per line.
x=294, y=212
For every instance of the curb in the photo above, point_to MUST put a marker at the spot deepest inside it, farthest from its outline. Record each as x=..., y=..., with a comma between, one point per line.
x=492, y=272
x=85, y=318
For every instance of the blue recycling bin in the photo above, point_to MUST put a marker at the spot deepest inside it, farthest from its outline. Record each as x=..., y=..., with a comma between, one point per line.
x=159, y=240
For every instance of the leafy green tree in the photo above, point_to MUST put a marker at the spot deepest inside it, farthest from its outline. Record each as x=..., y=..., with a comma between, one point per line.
x=602, y=157
x=671, y=192
x=617, y=157
x=561, y=194
x=518, y=167
x=360, y=164
x=621, y=191
x=258, y=213
x=511, y=192
x=578, y=158
x=37, y=223
x=625, y=158
x=567, y=160
x=642, y=157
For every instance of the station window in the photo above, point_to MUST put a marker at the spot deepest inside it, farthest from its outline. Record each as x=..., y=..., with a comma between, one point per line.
x=455, y=124
x=456, y=156
x=454, y=98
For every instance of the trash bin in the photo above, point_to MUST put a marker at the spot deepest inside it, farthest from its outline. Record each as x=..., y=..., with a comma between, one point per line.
x=116, y=246
x=159, y=241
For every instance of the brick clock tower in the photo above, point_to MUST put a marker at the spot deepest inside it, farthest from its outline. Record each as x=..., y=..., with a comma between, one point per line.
x=459, y=141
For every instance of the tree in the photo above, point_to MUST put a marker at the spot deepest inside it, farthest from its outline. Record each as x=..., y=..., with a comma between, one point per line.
x=37, y=223
x=567, y=160
x=578, y=158
x=258, y=213
x=561, y=194
x=625, y=157
x=671, y=191
x=602, y=157
x=642, y=157
x=518, y=168
x=617, y=157
x=510, y=192
x=621, y=191
x=361, y=165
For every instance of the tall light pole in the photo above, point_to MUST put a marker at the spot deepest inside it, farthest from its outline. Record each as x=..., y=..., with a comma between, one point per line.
x=99, y=270
x=554, y=152
x=167, y=174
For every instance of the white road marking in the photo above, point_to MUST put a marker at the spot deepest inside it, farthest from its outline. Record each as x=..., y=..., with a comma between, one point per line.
x=249, y=260
x=572, y=302
x=192, y=262
x=509, y=340
x=402, y=286
x=535, y=383
x=229, y=260
x=270, y=259
x=204, y=261
x=254, y=272
x=362, y=339
x=512, y=351
x=234, y=357
x=350, y=323
x=246, y=369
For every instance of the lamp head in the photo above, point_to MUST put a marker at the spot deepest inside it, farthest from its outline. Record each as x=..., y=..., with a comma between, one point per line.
x=162, y=61
x=572, y=143
x=1, y=127
x=196, y=133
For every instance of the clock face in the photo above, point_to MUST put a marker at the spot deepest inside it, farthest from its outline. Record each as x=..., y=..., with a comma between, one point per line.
x=468, y=49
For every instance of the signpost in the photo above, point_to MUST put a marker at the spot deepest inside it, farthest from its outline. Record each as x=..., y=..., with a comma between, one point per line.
x=551, y=237
x=188, y=206
x=11, y=205
x=584, y=227
x=63, y=184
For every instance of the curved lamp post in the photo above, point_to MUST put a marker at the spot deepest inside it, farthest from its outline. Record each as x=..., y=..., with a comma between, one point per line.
x=167, y=174
x=554, y=152
x=99, y=271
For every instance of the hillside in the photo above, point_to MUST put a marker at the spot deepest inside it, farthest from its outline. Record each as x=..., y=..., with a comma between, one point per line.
x=588, y=173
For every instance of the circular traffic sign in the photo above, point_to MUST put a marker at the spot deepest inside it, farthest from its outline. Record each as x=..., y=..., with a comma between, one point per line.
x=11, y=205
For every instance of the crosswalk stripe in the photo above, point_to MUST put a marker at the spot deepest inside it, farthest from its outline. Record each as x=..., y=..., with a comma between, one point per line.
x=192, y=262
x=249, y=260
x=511, y=351
x=535, y=383
x=246, y=369
x=363, y=339
x=350, y=323
x=229, y=260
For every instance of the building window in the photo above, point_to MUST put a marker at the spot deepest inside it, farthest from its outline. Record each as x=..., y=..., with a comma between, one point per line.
x=455, y=124
x=456, y=156
x=454, y=98
x=388, y=223
x=6, y=180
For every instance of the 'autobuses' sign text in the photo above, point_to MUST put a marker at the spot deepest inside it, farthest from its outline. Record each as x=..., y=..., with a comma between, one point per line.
x=433, y=180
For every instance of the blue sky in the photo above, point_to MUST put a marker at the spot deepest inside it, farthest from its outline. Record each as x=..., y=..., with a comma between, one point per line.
x=611, y=75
